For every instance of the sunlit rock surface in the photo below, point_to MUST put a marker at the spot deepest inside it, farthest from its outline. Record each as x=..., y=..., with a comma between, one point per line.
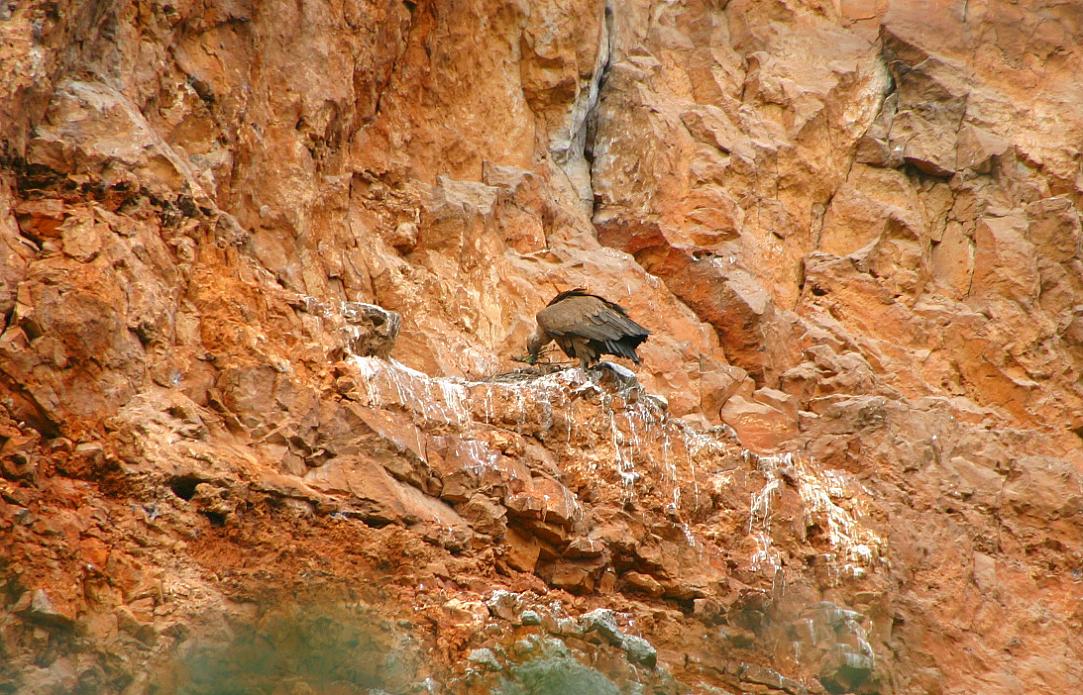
x=265, y=270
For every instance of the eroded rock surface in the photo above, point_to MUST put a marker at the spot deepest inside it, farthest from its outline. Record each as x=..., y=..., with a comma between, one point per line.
x=265, y=269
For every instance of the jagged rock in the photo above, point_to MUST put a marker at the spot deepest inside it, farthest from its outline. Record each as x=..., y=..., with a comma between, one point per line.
x=484, y=515
x=686, y=588
x=759, y=675
x=708, y=610
x=978, y=148
x=985, y=572
x=39, y=218
x=214, y=502
x=504, y=604
x=1004, y=261
x=1045, y=488
x=533, y=644
x=731, y=300
x=604, y=622
x=643, y=583
x=142, y=630
x=639, y=650
x=759, y=426
x=93, y=129
x=522, y=550
x=545, y=500
x=584, y=548
x=1054, y=228
x=404, y=238
x=846, y=671
x=470, y=613
x=371, y=329
x=379, y=499
x=973, y=481
x=36, y=606
x=573, y=577
x=931, y=103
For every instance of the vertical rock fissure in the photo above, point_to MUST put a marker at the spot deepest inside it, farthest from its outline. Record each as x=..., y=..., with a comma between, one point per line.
x=597, y=83
x=572, y=144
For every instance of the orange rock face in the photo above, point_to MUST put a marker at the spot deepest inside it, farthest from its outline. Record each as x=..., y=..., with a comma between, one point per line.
x=265, y=270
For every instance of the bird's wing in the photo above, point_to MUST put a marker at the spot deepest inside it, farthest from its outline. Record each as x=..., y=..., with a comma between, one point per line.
x=590, y=317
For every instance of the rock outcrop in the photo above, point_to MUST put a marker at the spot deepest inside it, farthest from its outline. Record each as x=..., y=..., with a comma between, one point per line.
x=265, y=269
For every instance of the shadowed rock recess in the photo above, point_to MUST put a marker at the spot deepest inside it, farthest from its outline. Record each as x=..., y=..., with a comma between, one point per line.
x=265, y=268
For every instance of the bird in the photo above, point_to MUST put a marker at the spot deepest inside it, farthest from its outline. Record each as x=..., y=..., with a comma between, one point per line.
x=586, y=326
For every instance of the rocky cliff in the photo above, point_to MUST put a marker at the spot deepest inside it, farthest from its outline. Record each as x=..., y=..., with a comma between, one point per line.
x=265, y=268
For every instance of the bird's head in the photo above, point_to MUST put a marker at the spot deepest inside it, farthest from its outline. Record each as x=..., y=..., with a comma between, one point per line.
x=534, y=345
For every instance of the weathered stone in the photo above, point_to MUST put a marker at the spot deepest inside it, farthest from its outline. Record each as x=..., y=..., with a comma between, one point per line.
x=470, y=613
x=977, y=147
x=584, y=547
x=639, y=650
x=39, y=218
x=36, y=606
x=1004, y=261
x=371, y=329
x=380, y=499
x=404, y=238
x=485, y=516
x=973, y=481
x=572, y=577
x=719, y=382
x=521, y=550
x=932, y=101
x=484, y=658
x=952, y=260
x=1055, y=229
x=545, y=500
x=642, y=583
x=758, y=425
x=82, y=239
x=140, y=629
x=214, y=502
x=985, y=573
x=1045, y=488
x=708, y=610
x=92, y=128
x=604, y=622
x=846, y=670
x=686, y=588
x=753, y=673
x=504, y=604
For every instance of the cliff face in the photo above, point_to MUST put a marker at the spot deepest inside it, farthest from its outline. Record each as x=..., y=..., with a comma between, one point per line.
x=852, y=458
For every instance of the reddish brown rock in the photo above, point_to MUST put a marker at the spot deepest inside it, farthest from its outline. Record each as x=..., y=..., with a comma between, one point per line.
x=759, y=425
x=852, y=228
x=573, y=577
x=522, y=550
x=642, y=583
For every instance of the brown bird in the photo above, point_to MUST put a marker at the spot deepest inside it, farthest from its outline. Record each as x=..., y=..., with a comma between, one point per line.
x=585, y=326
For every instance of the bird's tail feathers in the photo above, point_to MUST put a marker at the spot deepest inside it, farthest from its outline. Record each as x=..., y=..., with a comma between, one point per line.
x=622, y=349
